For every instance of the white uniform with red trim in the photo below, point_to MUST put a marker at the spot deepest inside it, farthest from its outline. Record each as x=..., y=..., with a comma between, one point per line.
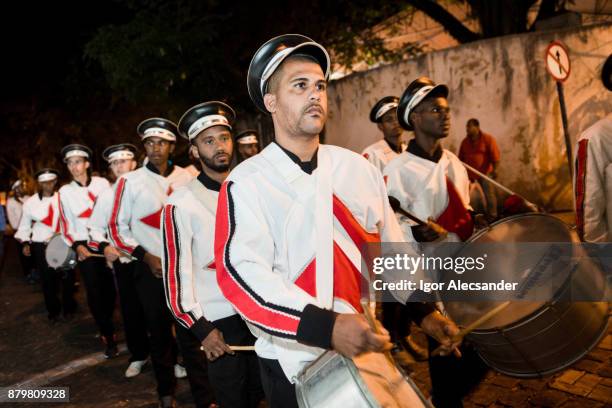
x=137, y=205
x=272, y=219
x=76, y=206
x=188, y=231
x=592, y=188
x=98, y=222
x=39, y=219
x=421, y=186
x=380, y=154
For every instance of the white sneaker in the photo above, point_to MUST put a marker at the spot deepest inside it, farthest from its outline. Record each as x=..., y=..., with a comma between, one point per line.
x=179, y=371
x=134, y=368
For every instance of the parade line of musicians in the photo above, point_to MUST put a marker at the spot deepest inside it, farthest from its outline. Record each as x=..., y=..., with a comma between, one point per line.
x=267, y=254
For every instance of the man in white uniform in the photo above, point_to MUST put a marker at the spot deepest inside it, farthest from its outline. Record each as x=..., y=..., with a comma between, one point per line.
x=121, y=159
x=593, y=175
x=429, y=181
x=76, y=201
x=206, y=319
x=247, y=143
x=39, y=223
x=291, y=223
x=14, y=205
x=384, y=114
x=134, y=228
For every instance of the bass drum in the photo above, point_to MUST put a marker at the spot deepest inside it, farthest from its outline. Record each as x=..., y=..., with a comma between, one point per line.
x=535, y=338
x=59, y=255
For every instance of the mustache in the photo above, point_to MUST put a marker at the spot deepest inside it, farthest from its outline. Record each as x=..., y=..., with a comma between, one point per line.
x=314, y=105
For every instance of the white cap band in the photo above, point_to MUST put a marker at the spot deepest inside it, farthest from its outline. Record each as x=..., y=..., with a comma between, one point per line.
x=76, y=153
x=416, y=99
x=385, y=108
x=205, y=122
x=276, y=60
x=120, y=155
x=46, y=177
x=250, y=139
x=159, y=132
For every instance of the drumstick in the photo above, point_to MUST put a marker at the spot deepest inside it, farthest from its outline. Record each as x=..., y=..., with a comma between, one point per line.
x=497, y=184
x=372, y=322
x=474, y=325
x=478, y=322
x=237, y=348
x=396, y=207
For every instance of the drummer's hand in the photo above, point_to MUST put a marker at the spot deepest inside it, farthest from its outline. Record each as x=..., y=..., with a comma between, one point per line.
x=214, y=345
x=82, y=252
x=424, y=233
x=443, y=330
x=111, y=253
x=352, y=336
x=26, y=250
x=154, y=263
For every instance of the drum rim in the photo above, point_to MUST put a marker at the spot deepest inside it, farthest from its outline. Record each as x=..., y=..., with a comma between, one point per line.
x=510, y=218
x=603, y=331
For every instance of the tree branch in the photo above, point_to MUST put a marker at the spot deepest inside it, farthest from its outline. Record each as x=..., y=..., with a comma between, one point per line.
x=450, y=23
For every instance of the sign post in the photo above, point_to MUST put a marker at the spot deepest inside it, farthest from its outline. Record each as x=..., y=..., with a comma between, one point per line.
x=558, y=65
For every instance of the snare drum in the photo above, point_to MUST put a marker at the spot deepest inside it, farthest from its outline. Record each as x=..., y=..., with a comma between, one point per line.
x=367, y=381
x=59, y=255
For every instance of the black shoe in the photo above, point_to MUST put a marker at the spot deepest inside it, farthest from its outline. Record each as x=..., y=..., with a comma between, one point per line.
x=167, y=401
x=111, y=347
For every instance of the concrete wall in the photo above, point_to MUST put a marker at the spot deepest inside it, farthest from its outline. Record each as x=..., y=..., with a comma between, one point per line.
x=504, y=83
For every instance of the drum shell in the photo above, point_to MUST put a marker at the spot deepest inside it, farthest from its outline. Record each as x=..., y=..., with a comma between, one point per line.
x=336, y=381
x=59, y=255
x=555, y=334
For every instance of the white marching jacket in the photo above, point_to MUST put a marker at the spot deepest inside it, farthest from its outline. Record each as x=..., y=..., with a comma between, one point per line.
x=287, y=246
x=188, y=261
x=76, y=206
x=421, y=186
x=98, y=222
x=380, y=154
x=139, y=197
x=39, y=219
x=593, y=182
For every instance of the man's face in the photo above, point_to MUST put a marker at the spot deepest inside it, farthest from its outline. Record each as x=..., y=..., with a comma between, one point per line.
x=122, y=166
x=247, y=150
x=472, y=129
x=390, y=126
x=77, y=166
x=47, y=187
x=432, y=117
x=214, y=148
x=158, y=149
x=299, y=101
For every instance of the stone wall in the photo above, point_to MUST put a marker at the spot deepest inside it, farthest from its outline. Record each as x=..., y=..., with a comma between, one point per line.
x=504, y=83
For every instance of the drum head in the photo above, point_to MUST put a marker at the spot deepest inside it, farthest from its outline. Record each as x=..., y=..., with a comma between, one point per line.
x=518, y=261
x=58, y=254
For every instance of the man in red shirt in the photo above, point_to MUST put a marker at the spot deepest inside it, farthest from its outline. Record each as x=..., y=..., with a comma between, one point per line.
x=479, y=150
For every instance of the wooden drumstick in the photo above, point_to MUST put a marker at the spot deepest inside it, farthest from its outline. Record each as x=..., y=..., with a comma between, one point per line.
x=372, y=322
x=237, y=348
x=478, y=322
x=474, y=325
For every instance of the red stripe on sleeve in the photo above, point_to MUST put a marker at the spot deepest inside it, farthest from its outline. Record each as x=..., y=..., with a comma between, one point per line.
x=173, y=251
x=112, y=225
x=580, y=190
